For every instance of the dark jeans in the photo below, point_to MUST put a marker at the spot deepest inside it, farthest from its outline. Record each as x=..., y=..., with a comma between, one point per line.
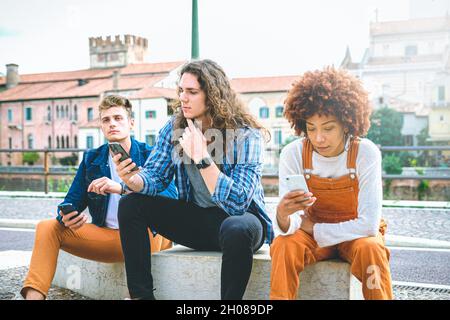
x=185, y=223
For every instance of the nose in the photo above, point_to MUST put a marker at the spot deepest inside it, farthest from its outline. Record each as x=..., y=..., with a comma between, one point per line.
x=183, y=97
x=320, y=138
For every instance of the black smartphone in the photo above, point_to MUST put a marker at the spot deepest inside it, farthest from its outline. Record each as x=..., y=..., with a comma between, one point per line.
x=66, y=208
x=117, y=148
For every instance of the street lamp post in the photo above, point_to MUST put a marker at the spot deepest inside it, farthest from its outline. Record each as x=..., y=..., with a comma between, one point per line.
x=195, y=50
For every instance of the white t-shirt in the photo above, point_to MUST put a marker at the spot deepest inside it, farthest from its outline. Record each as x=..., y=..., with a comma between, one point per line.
x=113, y=203
x=368, y=171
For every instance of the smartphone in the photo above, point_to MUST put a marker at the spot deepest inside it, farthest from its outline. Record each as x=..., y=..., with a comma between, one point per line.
x=297, y=182
x=66, y=208
x=117, y=148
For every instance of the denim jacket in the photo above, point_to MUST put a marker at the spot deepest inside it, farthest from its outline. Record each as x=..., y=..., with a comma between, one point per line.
x=94, y=166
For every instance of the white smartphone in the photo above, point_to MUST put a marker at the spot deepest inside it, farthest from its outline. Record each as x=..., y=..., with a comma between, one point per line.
x=296, y=182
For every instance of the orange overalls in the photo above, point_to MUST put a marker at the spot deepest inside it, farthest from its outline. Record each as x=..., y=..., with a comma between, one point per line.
x=337, y=201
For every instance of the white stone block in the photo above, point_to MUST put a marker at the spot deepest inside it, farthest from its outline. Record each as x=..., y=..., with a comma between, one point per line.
x=182, y=273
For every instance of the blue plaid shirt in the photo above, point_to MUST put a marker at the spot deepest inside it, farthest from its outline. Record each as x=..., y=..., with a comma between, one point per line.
x=238, y=190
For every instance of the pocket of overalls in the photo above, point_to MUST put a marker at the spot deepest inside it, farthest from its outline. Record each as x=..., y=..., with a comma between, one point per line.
x=335, y=205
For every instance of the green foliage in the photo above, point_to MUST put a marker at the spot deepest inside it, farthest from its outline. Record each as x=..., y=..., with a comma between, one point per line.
x=30, y=157
x=392, y=164
x=386, y=126
x=70, y=160
x=423, y=188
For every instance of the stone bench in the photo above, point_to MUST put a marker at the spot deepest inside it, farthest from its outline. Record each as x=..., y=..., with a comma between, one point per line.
x=184, y=274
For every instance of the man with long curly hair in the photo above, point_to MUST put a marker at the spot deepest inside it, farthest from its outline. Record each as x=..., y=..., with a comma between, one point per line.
x=340, y=214
x=213, y=147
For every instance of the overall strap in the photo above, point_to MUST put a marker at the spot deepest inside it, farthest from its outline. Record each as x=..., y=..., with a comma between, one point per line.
x=307, y=156
x=352, y=155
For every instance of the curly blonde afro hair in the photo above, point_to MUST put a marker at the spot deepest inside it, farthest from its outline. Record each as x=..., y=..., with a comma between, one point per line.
x=330, y=92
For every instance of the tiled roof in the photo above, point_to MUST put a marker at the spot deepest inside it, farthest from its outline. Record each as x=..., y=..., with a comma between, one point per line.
x=154, y=92
x=65, y=89
x=263, y=84
x=410, y=26
x=65, y=84
x=142, y=68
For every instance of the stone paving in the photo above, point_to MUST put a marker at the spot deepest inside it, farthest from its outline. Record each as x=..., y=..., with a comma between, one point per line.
x=12, y=281
x=421, y=223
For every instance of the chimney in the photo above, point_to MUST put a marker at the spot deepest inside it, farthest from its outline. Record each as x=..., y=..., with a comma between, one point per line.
x=116, y=80
x=12, y=75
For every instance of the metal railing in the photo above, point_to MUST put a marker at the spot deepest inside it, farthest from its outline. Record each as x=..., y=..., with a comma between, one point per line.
x=47, y=172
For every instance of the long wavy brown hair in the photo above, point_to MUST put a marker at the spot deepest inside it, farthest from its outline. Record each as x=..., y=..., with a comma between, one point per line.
x=223, y=106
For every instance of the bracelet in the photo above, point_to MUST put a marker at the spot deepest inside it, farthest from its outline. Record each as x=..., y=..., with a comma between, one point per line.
x=122, y=189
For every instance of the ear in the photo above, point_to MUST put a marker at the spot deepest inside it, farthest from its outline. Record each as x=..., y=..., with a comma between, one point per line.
x=132, y=123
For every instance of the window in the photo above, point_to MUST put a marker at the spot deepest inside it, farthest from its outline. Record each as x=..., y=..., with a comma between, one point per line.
x=132, y=114
x=411, y=51
x=57, y=112
x=75, y=142
x=90, y=114
x=279, y=111
x=28, y=114
x=67, y=112
x=408, y=140
x=264, y=112
x=150, y=114
x=57, y=142
x=441, y=93
x=63, y=145
x=75, y=113
x=10, y=115
x=49, y=113
x=49, y=142
x=30, y=141
x=89, y=142
x=150, y=139
x=278, y=137
x=10, y=142
x=441, y=118
x=67, y=142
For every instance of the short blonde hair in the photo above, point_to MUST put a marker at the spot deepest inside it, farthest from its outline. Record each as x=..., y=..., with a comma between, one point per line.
x=115, y=101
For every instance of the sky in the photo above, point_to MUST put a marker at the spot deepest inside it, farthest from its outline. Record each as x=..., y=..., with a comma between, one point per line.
x=247, y=37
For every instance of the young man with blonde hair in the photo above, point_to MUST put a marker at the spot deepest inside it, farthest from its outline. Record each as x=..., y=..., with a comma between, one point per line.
x=99, y=240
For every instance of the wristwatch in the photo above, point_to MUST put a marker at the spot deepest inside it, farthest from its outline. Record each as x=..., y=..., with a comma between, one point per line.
x=204, y=163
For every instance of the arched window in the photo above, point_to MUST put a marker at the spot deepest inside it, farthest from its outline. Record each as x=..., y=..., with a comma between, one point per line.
x=57, y=112
x=264, y=112
x=49, y=142
x=279, y=111
x=62, y=143
x=255, y=104
x=67, y=142
x=75, y=142
x=75, y=113
x=57, y=142
x=49, y=113
x=67, y=111
x=30, y=141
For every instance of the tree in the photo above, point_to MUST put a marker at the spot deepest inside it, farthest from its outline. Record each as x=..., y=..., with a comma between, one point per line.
x=386, y=126
x=30, y=157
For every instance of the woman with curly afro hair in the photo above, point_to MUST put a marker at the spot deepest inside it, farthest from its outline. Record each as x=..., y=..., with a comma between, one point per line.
x=339, y=213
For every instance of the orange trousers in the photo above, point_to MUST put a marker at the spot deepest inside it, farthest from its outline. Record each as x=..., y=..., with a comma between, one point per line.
x=89, y=242
x=368, y=257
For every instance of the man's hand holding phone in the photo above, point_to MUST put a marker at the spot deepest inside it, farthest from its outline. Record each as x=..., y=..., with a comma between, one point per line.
x=125, y=169
x=70, y=217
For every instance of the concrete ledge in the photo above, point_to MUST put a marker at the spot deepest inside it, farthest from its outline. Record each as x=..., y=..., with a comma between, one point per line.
x=184, y=274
